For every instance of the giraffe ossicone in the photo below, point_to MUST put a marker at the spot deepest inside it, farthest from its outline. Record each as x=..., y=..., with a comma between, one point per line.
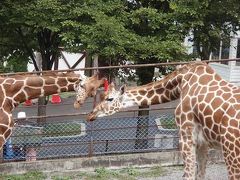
x=208, y=114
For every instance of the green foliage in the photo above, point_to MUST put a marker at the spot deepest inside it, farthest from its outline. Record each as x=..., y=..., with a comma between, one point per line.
x=17, y=62
x=61, y=178
x=103, y=173
x=131, y=171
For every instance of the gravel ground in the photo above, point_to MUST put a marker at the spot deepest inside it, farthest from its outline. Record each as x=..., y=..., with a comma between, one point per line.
x=213, y=172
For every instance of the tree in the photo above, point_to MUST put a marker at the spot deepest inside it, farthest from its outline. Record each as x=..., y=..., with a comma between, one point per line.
x=130, y=30
x=157, y=40
x=209, y=21
x=17, y=62
x=44, y=25
x=34, y=26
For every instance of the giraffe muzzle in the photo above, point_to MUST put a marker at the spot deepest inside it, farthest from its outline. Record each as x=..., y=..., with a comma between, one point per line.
x=91, y=117
x=77, y=104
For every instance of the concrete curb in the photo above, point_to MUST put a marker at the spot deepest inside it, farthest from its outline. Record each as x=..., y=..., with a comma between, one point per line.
x=91, y=163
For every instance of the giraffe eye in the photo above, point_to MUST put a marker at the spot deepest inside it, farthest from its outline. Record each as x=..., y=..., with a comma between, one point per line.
x=109, y=99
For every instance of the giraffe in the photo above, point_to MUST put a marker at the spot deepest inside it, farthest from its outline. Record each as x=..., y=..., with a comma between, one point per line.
x=208, y=114
x=87, y=88
x=19, y=88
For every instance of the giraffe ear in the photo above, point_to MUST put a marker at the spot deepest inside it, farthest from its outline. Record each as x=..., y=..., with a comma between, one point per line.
x=102, y=96
x=123, y=89
x=95, y=76
x=78, y=81
x=111, y=86
x=82, y=76
x=75, y=86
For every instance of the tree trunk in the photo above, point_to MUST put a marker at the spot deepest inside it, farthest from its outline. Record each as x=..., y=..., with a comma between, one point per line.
x=48, y=46
x=205, y=52
x=41, y=110
x=41, y=100
x=145, y=76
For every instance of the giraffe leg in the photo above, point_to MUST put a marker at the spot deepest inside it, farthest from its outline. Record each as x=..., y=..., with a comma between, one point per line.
x=232, y=160
x=230, y=141
x=201, y=150
x=233, y=165
x=187, y=148
x=185, y=122
x=201, y=157
x=2, y=141
x=6, y=125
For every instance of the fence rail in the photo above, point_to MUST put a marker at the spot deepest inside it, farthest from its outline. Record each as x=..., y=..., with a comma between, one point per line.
x=74, y=137
x=126, y=66
x=81, y=138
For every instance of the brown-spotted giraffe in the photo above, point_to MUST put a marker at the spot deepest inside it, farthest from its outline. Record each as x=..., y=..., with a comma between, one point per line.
x=18, y=88
x=87, y=88
x=208, y=114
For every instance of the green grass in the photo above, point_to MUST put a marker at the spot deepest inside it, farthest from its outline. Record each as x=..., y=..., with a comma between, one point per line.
x=168, y=123
x=27, y=135
x=129, y=173
x=34, y=175
x=61, y=129
x=67, y=94
x=155, y=171
x=33, y=136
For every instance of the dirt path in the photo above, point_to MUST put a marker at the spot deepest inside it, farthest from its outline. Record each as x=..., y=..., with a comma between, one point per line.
x=213, y=172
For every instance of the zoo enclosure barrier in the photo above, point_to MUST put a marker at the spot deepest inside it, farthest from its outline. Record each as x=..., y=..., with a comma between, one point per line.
x=76, y=137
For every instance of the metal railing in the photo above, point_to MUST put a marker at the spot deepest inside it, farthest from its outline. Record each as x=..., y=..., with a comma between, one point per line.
x=80, y=138
x=72, y=136
x=126, y=66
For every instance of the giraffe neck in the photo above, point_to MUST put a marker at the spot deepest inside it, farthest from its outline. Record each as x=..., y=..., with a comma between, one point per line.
x=17, y=89
x=158, y=92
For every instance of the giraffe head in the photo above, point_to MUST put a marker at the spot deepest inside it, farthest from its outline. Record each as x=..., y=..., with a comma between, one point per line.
x=111, y=102
x=87, y=87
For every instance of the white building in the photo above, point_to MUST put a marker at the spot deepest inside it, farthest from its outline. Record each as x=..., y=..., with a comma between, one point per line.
x=230, y=71
x=66, y=61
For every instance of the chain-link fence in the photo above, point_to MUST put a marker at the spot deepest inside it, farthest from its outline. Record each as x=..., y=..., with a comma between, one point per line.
x=103, y=136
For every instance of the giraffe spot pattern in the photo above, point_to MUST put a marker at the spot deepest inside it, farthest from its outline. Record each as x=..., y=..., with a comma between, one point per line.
x=16, y=89
x=208, y=113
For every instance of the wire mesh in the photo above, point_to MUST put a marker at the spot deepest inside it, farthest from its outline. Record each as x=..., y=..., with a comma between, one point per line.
x=81, y=138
